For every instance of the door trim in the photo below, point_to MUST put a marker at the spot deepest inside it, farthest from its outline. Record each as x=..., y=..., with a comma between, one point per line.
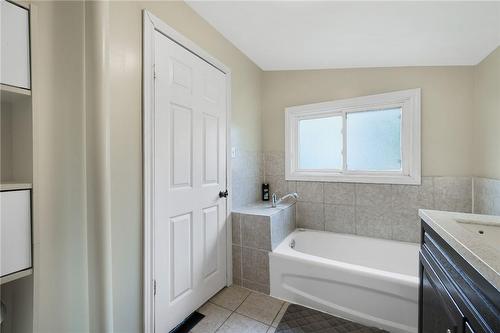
x=151, y=24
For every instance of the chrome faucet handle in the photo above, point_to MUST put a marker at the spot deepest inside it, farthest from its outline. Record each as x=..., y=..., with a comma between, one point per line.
x=274, y=199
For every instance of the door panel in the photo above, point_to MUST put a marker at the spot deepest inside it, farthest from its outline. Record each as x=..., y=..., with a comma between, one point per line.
x=211, y=231
x=181, y=128
x=211, y=149
x=181, y=253
x=189, y=171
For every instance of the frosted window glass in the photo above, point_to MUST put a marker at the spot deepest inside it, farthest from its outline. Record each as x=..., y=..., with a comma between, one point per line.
x=320, y=143
x=374, y=140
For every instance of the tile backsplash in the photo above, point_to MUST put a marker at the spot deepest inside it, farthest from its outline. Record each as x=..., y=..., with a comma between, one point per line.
x=257, y=230
x=247, y=177
x=374, y=210
x=486, y=196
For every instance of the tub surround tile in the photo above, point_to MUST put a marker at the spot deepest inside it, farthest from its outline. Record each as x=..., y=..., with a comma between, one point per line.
x=262, y=208
x=237, y=263
x=247, y=176
x=292, y=186
x=414, y=196
x=260, y=307
x=255, y=265
x=373, y=222
x=245, y=191
x=255, y=231
x=339, y=193
x=289, y=222
x=282, y=224
x=271, y=329
x=236, y=229
x=486, y=196
x=237, y=282
x=274, y=163
x=230, y=298
x=310, y=191
x=247, y=164
x=261, y=288
x=373, y=195
x=453, y=194
x=339, y=218
x=261, y=229
x=380, y=210
x=406, y=226
x=310, y=215
x=278, y=229
x=277, y=184
x=215, y=316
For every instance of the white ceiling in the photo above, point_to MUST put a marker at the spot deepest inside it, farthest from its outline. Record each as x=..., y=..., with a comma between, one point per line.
x=279, y=35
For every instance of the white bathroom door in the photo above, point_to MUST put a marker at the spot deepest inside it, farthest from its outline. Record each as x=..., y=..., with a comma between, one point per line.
x=189, y=172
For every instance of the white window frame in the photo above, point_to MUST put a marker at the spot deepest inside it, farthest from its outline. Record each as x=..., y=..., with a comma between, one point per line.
x=407, y=100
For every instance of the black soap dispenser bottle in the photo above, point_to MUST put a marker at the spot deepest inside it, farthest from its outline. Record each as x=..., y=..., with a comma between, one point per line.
x=265, y=192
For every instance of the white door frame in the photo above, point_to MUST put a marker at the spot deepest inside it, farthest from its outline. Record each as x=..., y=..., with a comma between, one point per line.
x=151, y=24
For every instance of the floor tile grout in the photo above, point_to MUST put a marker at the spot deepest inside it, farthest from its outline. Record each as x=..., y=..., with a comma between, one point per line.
x=250, y=292
x=232, y=311
x=284, y=303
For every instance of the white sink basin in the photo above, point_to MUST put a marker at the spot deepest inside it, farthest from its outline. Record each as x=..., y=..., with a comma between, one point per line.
x=488, y=232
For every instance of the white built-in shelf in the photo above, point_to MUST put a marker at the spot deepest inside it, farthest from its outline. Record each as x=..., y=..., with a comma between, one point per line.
x=12, y=186
x=12, y=94
x=15, y=276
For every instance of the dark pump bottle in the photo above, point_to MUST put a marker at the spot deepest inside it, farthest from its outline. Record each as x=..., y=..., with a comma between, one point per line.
x=265, y=192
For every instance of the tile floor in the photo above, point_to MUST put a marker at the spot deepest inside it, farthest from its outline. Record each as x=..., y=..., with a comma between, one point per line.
x=239, y=310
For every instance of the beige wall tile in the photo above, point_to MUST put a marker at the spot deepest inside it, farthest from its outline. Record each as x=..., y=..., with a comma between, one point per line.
x=339, y=218
x=255, y=265
x=310, y=215
x=339, y=193
x=256, y=231
x=310, y=191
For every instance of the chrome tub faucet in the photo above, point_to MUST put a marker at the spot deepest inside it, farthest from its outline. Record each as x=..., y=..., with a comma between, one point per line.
x=276, y=201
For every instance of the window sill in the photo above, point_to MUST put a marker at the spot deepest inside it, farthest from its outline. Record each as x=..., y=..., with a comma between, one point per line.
x=352, y=178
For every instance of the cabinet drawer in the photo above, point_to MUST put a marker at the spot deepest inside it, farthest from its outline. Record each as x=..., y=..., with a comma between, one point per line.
x=15, y=231
x=477, y=299
x=15, y=45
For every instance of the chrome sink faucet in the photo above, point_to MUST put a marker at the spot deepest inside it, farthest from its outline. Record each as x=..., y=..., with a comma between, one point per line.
x=276, y=201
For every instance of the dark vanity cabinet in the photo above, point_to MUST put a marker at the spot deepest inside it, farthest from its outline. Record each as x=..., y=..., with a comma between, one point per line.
x=454, y=297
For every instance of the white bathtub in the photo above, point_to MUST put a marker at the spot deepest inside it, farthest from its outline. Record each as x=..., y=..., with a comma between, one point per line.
x=367, y=280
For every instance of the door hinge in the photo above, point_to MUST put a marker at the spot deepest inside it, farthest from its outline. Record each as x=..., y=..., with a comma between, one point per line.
x=154, y=71
x=154, y=287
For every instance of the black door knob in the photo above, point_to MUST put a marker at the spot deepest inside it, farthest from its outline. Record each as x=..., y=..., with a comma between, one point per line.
x=223, y=194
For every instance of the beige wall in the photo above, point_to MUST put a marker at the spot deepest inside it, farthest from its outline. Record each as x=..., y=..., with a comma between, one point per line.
x=486, y=117
x=60, y=245
x=126, y=185
x=446, y=105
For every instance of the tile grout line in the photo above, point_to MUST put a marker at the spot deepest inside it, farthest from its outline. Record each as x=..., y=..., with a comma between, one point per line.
x=241, y=314
x=284, y=303
x=232, y=311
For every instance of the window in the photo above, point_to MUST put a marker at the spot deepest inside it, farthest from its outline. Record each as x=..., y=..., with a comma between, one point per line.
x=370, y=139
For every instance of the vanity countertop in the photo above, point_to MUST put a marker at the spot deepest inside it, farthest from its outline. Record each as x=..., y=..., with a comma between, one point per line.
x=475, y=237
x=12, y=186
x=263, y=208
